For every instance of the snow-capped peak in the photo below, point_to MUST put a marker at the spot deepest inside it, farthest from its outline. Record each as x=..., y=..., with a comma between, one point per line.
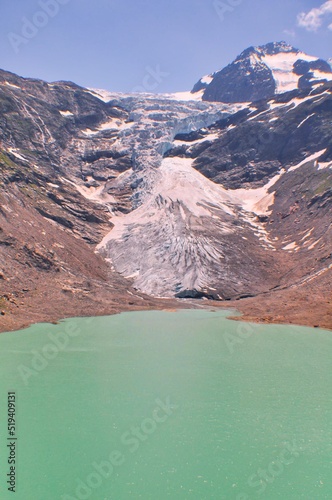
x=261, y=72
x=276, y=48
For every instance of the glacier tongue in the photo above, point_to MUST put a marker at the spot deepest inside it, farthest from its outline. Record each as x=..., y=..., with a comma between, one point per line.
x=177, y=239
x=172, y=203
x=173, y=217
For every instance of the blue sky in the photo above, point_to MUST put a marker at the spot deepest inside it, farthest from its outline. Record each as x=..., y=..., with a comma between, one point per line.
x=117, y=44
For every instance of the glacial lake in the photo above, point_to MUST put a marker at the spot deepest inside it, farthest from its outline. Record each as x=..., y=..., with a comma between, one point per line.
x=167, y=405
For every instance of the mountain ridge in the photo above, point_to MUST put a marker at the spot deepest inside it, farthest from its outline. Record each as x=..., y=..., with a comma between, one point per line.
x=133, y=198
x=259, y=73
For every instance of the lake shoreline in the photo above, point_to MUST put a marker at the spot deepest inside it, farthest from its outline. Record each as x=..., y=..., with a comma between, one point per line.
x=269, y=308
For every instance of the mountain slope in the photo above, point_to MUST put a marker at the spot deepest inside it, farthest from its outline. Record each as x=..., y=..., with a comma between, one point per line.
x=109, y=199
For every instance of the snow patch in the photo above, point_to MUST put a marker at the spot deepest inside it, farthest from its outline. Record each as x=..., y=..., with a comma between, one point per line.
x=103, y=95
x=257, y=200
x=303, y=121
x=17, y=155
x=306, y=160
x=66, y=113
x=96, y=194
x=282, y=65
x=312, y=246
x=291, y=246
x=308, y=234
x=184, y=96
x=106, y=96
x=209, y=137
x=12, y=85
x=110, y=125
x=320, y=75
x=207, y=79
x=322, y=165
x=297, y=101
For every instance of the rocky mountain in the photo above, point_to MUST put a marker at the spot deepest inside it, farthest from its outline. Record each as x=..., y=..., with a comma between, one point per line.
x=262, y=72
x=113, y=201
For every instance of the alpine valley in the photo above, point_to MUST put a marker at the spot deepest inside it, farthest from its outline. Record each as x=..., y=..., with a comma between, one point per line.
x=113, y=202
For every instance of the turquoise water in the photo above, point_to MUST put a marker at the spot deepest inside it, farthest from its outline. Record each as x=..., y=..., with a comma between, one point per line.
x=161, y=405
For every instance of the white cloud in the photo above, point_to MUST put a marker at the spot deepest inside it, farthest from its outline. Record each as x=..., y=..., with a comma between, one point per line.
x=314, y=19
x=330, y=27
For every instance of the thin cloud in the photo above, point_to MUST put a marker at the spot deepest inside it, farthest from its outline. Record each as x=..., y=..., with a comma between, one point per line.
x=290, y=33
x=314, y=19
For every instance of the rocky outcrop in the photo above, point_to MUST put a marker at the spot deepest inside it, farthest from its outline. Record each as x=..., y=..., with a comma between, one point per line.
x=274, y=135
x=247, y=79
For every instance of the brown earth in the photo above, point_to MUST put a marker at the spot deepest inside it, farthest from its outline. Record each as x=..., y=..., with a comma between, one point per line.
x=305, y=305
x=309, y=304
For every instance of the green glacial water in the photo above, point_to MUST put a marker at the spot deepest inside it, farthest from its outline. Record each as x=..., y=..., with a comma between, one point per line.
x=162, y=405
